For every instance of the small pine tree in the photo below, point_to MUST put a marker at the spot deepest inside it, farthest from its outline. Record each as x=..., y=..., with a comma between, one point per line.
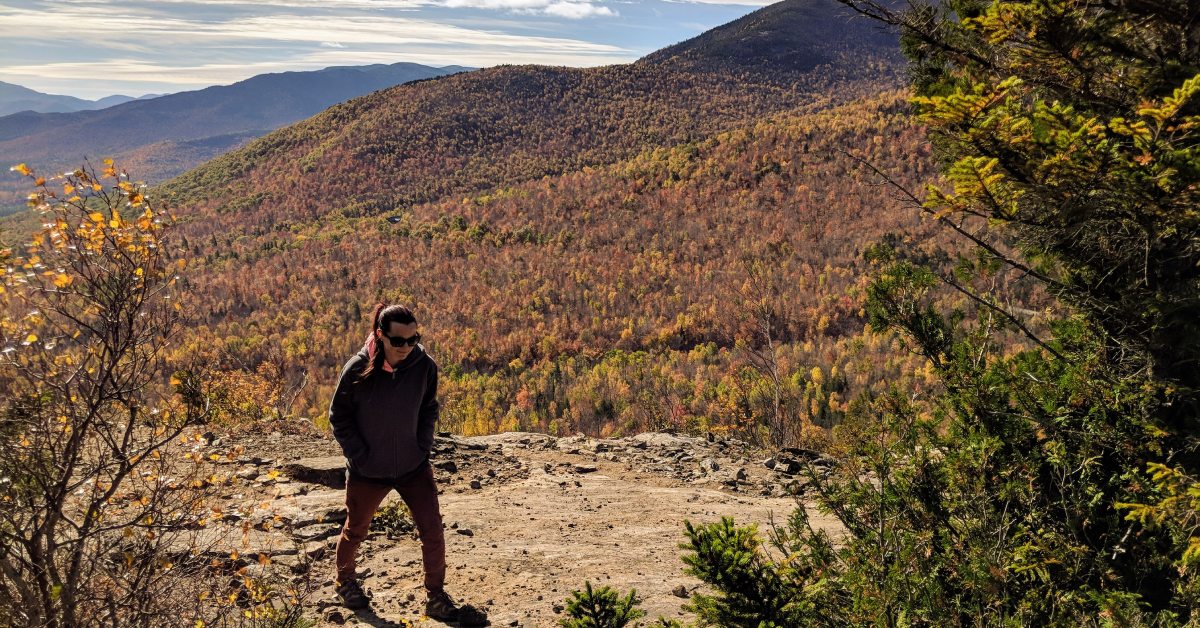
x=729, y=558
x=601, y=608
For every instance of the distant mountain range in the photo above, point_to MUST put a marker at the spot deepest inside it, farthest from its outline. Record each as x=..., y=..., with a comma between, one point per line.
x=167, y=135
x=419, y=142
x=15, y=98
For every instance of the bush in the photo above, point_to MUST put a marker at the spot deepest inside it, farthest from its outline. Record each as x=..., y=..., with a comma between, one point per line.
x=92, y=502
x=600, y=608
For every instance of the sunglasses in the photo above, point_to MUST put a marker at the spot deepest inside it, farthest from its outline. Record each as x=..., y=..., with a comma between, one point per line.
x=400, y=341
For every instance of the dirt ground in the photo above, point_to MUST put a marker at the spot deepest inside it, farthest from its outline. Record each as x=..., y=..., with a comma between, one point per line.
x=530, y=518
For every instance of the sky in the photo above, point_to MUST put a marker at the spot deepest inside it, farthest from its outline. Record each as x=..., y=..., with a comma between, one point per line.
x=96, y=48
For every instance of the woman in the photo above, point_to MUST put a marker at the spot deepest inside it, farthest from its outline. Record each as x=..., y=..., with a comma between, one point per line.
x=383, y=415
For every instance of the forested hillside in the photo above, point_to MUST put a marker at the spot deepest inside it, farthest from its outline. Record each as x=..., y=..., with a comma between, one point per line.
x=566, y=304
x=601, y=249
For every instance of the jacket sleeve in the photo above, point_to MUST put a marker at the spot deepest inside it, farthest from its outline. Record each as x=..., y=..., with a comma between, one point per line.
x=428, y=416
x=341, y=414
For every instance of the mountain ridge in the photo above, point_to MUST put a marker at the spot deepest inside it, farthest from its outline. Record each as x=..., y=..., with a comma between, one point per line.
x=55, y=141
x=757, y=39
x=18, y=98
x=508, y=123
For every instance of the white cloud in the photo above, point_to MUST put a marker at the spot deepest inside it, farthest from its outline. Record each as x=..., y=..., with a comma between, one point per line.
x=572, y=9
x=578, y=10
x=162, y=55
x=181, y=5
x=112, y=30
x=499, y=5
x=745, y=3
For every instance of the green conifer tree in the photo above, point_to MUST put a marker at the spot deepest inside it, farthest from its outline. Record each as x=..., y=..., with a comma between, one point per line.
x=1068, y=134
x=601, y=608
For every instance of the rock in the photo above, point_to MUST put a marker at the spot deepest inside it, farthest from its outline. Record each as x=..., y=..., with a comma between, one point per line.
x=335, y=616
x=476, y=484
x=585, y=468
x=667, y=441
x=313, y=507
x=523, y=439
x=769, y=463
x=327, y=471
x=802, y=454
x=680, y=591
x=248, y=473
x=465, y=531
x=316, y=532
x=219, y=541
x=447, y=465
x=708, y=465
x=787, y=467
x=824, y=462
x=473, y=443
x=288, y=490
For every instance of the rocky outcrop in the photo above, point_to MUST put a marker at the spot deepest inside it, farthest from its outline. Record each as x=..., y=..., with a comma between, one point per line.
x=528, y=513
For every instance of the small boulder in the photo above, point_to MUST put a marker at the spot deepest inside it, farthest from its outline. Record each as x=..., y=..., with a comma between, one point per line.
x=327, y=471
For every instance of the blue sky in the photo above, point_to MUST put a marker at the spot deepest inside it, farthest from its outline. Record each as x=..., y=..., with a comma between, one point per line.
x=95, y=48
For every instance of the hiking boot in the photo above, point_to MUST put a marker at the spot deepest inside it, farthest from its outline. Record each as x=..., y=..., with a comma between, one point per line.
x=439, y=606
x=352, y=596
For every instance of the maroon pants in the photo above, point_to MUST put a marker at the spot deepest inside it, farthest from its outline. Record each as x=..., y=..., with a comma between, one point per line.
x=419, y=492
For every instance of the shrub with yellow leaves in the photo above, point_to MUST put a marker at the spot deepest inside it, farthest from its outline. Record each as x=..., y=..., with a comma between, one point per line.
x=92, y=505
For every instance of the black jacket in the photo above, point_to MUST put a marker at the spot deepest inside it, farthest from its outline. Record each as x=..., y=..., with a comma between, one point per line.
x=385, y=424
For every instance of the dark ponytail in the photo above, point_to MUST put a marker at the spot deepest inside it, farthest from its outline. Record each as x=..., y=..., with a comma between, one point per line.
x=383, y=316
